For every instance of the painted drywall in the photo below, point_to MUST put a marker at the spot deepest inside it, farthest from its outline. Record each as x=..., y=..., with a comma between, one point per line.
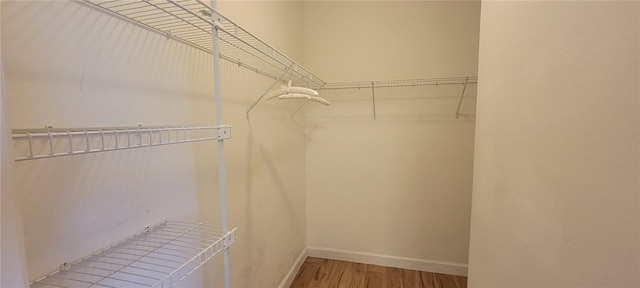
x=382, y=40
x=69, y=65
x=556, y=176
x=13, y=272
x=397, y=187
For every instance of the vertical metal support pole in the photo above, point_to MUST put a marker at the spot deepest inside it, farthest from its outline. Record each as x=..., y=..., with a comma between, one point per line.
x=221, y=165
x=373, y=97
x=462, y=96
x=299, y=108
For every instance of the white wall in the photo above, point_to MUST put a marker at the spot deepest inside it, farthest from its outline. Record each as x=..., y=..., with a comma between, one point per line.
x=71, y=66
x=13, y=272
x=381, y=40
x=396, y=190
x=555, y=191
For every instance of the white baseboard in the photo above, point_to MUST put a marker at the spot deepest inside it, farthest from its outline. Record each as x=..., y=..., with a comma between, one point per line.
x=288, y=279
x=388, y=261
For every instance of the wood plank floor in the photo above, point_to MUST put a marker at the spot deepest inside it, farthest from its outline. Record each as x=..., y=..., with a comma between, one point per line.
x=317, y=273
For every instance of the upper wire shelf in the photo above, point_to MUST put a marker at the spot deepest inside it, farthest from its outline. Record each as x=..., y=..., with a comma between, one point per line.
x=158, y=257
x=31, y=144
x=189, y=21
x=400, y=83
x=454, y=89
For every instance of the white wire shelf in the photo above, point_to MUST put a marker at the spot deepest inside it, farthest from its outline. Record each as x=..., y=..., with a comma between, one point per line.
x=31, y=144
x=160, y=256
x=189, y=21
x=444, y=94
x=400, y=83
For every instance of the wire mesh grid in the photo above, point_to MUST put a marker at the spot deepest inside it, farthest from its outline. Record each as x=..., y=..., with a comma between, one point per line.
x=189, y=21
x=31, y=144
x=160, y=256
x=432, y=98
x=399, y=83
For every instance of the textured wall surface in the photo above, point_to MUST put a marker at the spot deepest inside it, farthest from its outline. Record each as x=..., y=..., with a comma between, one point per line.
x=398, y=186
x=13, y=262
x=555, y=191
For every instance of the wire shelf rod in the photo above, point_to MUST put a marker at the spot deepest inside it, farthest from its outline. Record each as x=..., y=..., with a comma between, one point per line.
x=81, y=265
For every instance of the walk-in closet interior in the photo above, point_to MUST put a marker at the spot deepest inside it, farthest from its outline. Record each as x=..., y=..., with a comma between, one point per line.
x=189, y=143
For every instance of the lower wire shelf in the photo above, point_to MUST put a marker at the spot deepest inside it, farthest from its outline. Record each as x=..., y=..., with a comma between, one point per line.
x=160, y=256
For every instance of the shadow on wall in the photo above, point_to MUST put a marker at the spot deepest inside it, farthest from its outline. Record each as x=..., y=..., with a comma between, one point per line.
x=98, y=61
x=267, y=151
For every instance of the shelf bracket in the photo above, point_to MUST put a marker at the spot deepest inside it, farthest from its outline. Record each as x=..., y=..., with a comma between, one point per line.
x=224, y=131
x=279, y=79
x=373, y=98
x=464, y=88
x=299, y=108
x=229, y=238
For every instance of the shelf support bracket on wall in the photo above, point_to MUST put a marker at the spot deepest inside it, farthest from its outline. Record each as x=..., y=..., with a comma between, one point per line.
x=279, y=79
x=299, y=108
x=373, y=97
x=464, y=88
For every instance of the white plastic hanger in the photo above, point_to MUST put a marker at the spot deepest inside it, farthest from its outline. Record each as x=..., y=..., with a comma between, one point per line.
x=292, y=92
x=304, y=96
